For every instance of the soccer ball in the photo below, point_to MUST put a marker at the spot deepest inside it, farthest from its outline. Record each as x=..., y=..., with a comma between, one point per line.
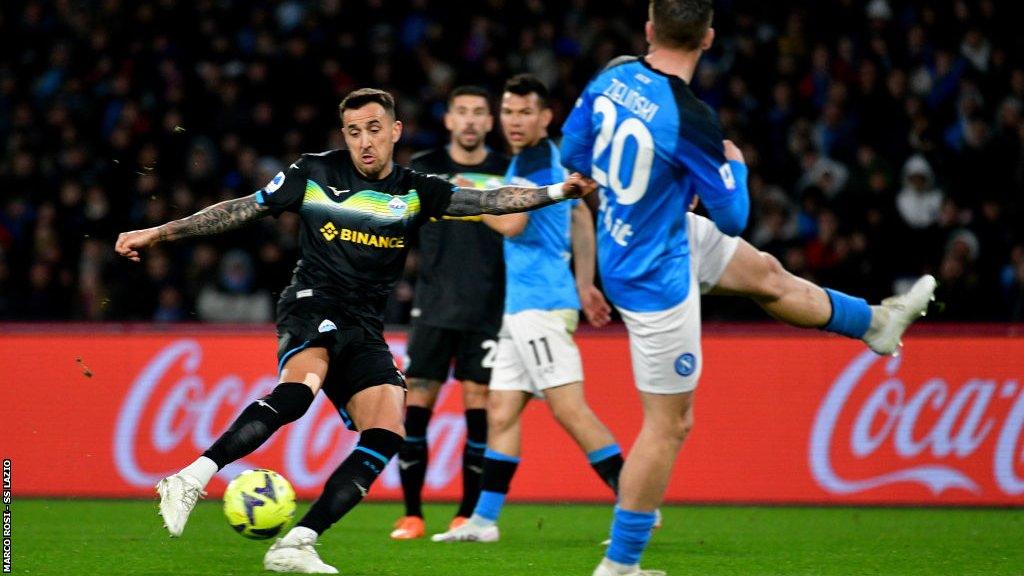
x=259, y=503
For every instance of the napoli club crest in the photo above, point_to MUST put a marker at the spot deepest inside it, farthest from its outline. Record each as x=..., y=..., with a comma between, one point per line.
x=686, y=364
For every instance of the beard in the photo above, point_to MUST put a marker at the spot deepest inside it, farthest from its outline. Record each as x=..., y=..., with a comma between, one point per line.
x=470, y=143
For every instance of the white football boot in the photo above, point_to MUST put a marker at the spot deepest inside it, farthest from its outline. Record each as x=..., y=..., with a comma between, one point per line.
x=603, y=569
x=296, y=555
x=469, y=532
x=890, y=319
x=178, y=496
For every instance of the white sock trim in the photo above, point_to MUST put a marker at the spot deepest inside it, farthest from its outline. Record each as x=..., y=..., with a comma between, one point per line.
x=619, y=568
x=202, y=470
x=300, y=533
x=477, y=520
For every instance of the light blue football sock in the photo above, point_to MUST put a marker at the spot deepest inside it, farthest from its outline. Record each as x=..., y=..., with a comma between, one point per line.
x=850, y=316
x=488, y=506
x=630, y=533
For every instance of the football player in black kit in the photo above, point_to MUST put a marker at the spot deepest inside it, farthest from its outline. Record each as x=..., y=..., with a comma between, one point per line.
x=357, y=210
x=457, y=309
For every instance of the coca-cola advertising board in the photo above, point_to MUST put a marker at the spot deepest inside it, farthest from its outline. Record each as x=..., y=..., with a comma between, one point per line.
x=780, y=418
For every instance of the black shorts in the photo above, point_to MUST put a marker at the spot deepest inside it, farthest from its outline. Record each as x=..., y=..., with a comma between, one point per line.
x=431, y=351
x=359, y=358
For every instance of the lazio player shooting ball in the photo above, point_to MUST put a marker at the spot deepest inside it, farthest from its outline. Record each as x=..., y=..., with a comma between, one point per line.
x=457, y=311
x=652, y=145
x=357, y=210
x=536, y=352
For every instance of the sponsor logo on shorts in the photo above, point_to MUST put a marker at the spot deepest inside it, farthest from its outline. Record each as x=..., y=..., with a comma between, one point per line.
x=326, y=326
x=686, y=364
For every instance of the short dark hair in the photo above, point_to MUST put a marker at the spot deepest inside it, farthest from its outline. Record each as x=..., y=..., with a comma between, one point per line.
x=469, y=90
x=526, y=84
x=681, y=23
x=363, y=96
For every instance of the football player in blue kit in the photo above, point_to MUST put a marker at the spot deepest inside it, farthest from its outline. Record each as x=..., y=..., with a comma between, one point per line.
x=536, y=355
x=653, y=146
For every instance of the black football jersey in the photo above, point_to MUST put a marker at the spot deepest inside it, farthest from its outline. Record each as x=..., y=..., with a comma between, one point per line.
x=461, y=282
x=355, y=233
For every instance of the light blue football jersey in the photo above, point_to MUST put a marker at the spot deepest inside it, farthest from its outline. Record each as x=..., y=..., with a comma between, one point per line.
x=537, y=275
x=651, y=145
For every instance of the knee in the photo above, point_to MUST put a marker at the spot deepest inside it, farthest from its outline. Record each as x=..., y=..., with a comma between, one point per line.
x=676, y=428
x=474, y=396
x=499, y=420
x=422, y=393
x=289, y=401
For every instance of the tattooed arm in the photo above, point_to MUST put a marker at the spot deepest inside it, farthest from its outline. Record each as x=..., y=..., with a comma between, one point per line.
x=512, y=199
x=215, y=219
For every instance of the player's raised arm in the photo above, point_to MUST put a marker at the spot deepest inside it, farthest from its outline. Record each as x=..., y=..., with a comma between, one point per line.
x=511, y=199
x=215, y=219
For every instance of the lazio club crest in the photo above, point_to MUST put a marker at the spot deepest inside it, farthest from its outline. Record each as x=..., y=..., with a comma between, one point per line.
x=397, y=206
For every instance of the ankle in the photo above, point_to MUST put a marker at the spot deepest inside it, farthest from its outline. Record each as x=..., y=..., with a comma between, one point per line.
x=619, y=568
x=879, y=316
x=480, y=521
x=201, y=470
x=300, y=534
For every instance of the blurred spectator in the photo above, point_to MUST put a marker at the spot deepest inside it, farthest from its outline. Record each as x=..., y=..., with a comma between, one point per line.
x=919, y=201
x=233, y=298
x=1012, y=280
x=118, y=115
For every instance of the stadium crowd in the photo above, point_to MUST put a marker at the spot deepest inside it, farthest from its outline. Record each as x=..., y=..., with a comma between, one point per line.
x=884, y=137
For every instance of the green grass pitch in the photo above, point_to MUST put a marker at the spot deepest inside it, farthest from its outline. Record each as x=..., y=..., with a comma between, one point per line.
x=126, y=537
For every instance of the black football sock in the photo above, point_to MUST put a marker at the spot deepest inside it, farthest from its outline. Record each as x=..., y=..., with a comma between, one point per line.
x=258, y=422
x=607, y=462
x=473, y=460
x=352, y=480
x=412, y=459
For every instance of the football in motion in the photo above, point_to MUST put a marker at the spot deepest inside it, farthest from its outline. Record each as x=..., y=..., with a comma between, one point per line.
x=259, y=503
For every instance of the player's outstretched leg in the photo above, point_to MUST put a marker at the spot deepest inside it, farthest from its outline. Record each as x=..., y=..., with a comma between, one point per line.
x=346, y=487
x=377, y=412
x=257, y=422
x=798, y=302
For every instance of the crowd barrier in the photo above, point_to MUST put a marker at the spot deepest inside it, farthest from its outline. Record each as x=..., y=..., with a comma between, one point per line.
x=791, y=417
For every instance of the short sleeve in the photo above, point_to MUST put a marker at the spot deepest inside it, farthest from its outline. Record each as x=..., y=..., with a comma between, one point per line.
x=435, y=193
x=284, y=193
x=578, y=135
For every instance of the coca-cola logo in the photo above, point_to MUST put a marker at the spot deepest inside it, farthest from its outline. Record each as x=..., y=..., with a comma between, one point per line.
x=175, y=409
x=927, y=431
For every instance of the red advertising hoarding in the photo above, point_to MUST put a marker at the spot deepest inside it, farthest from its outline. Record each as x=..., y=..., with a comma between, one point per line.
x=792, y=418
